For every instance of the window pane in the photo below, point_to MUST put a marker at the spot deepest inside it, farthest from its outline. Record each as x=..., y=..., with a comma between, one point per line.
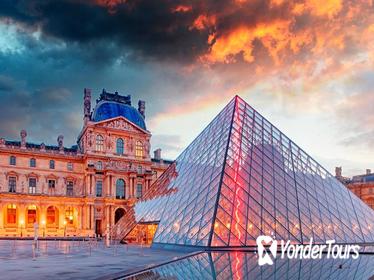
x=120, y=189
x=120, y=146
x=12, y=184
x=139, y=190
x=99, y=188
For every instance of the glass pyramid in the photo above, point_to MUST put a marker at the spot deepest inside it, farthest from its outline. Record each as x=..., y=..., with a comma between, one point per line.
x=241, y=178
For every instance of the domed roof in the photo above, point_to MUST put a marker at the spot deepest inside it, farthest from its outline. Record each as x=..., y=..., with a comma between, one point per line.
x=110, y=109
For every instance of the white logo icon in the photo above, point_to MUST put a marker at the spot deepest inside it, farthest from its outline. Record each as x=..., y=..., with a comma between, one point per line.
x=263, y=255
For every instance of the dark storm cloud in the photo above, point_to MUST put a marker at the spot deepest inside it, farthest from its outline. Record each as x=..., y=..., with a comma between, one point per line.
x=38, y=112
x=146, y=27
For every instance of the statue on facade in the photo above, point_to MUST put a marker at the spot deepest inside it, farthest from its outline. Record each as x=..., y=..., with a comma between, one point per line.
x=60, y=141
x=23, y=138
x=87, y=104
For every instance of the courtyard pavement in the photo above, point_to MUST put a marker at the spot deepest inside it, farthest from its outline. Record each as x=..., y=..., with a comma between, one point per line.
x=76, y=259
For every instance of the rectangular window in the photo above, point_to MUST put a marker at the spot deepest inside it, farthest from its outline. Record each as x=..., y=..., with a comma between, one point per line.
x=140, y=169
x=70, y=166
x=32, y=185
x=69, y=188
x=139, y=190
x=51, y=184
x=99, y=188
x=12, y=184
x=12, y=160
x=32, y=162
x=51, y=164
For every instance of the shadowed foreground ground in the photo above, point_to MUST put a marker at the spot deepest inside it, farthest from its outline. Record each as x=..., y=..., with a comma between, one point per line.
x=76, y=259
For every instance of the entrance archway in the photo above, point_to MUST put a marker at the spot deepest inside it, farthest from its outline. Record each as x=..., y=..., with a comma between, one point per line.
x=119, y=214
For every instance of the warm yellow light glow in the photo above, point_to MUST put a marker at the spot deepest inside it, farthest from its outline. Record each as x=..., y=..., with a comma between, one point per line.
x=70, y=218
x=43, y=222
x=64, y=222
x=22, y=222
x=215, y=225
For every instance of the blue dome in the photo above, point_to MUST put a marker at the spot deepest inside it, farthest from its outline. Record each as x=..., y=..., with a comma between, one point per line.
x=107, y=109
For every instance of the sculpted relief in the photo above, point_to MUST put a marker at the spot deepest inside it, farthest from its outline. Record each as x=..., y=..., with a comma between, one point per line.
x=119, y=124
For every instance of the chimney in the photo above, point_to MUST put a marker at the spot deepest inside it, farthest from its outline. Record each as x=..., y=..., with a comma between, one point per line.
x=368, y=171
x=87, y=105
x=141, y=107
x=23, y=138
x=157, y=154
x=338, y=172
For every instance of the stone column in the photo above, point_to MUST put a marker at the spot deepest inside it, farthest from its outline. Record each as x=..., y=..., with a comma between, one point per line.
x=88, y=213
x=92, y=217
x=111, y=185
x=62, y=217
x=2, y=214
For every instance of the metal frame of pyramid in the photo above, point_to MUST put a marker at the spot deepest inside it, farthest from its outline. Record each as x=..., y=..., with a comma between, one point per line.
x=241, y=178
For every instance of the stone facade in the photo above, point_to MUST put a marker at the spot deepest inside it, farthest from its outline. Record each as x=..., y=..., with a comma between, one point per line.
x=82, y=190
x=361, y=185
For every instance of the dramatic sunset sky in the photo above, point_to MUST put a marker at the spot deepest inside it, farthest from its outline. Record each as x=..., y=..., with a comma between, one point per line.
x=307, y=66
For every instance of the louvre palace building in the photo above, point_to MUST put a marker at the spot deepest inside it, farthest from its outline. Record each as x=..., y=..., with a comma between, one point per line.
x=85, y=189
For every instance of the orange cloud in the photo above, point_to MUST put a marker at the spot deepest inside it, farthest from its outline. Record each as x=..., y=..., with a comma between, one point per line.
x=274, y=37
x=181, y=9
x=203, y=22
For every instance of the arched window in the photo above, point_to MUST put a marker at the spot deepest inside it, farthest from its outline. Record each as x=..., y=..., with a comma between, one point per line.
x=120, y=189
x=12, y=160
x=32, y=162
x=99, y=143
x=119, y=214
x=11, y=215
x=120, y=146
x=52, y=216
x=138, y=149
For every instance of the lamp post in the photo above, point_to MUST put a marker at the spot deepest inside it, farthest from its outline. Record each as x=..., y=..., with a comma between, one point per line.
x=43, y=225
x=64, y=228
x=22, y=222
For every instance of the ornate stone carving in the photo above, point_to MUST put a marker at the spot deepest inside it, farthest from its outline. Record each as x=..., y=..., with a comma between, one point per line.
x=146, y=147
x=131, y=145
x=119, y=124
x=109, y=142
x=42, y=147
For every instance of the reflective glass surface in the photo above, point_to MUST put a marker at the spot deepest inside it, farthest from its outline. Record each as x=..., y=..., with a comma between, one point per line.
x=241, y=178
x=241, y=265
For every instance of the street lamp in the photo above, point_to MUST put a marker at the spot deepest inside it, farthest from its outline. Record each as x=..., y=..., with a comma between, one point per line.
x=22, y=222
x=43, y=224
x=64, y=228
